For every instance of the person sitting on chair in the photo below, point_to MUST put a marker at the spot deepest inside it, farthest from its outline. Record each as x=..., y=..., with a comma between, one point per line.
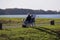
x=28, y=20
x=33, y=20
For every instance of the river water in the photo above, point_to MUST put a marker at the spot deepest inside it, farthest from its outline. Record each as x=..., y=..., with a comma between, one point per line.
x=37, y=16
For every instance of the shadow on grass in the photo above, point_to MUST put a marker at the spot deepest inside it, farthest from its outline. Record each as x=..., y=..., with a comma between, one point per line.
x=49, y=31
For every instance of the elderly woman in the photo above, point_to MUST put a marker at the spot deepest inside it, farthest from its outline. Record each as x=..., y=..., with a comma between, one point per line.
x=33, y=20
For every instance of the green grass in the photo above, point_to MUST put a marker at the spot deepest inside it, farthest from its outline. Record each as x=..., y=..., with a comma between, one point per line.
x=25, y=34
x=41, y=32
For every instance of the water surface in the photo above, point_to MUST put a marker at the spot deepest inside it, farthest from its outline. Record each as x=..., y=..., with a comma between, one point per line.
x=37, y=16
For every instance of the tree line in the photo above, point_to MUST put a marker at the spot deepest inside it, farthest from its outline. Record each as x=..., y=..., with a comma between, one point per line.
x=16, y=11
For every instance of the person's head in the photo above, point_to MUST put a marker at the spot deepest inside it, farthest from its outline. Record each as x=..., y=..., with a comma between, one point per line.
x=29, y=14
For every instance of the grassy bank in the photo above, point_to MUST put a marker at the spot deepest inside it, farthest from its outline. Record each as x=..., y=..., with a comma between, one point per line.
x=43, y=31
x=27, y=34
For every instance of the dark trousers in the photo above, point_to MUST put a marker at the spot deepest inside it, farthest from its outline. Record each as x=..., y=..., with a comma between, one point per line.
x=0, y=26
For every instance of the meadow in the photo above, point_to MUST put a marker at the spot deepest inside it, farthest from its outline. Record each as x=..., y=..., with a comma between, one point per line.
x=13, y=30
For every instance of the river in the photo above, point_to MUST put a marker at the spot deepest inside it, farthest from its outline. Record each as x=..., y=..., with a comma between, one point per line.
x=37, y=16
